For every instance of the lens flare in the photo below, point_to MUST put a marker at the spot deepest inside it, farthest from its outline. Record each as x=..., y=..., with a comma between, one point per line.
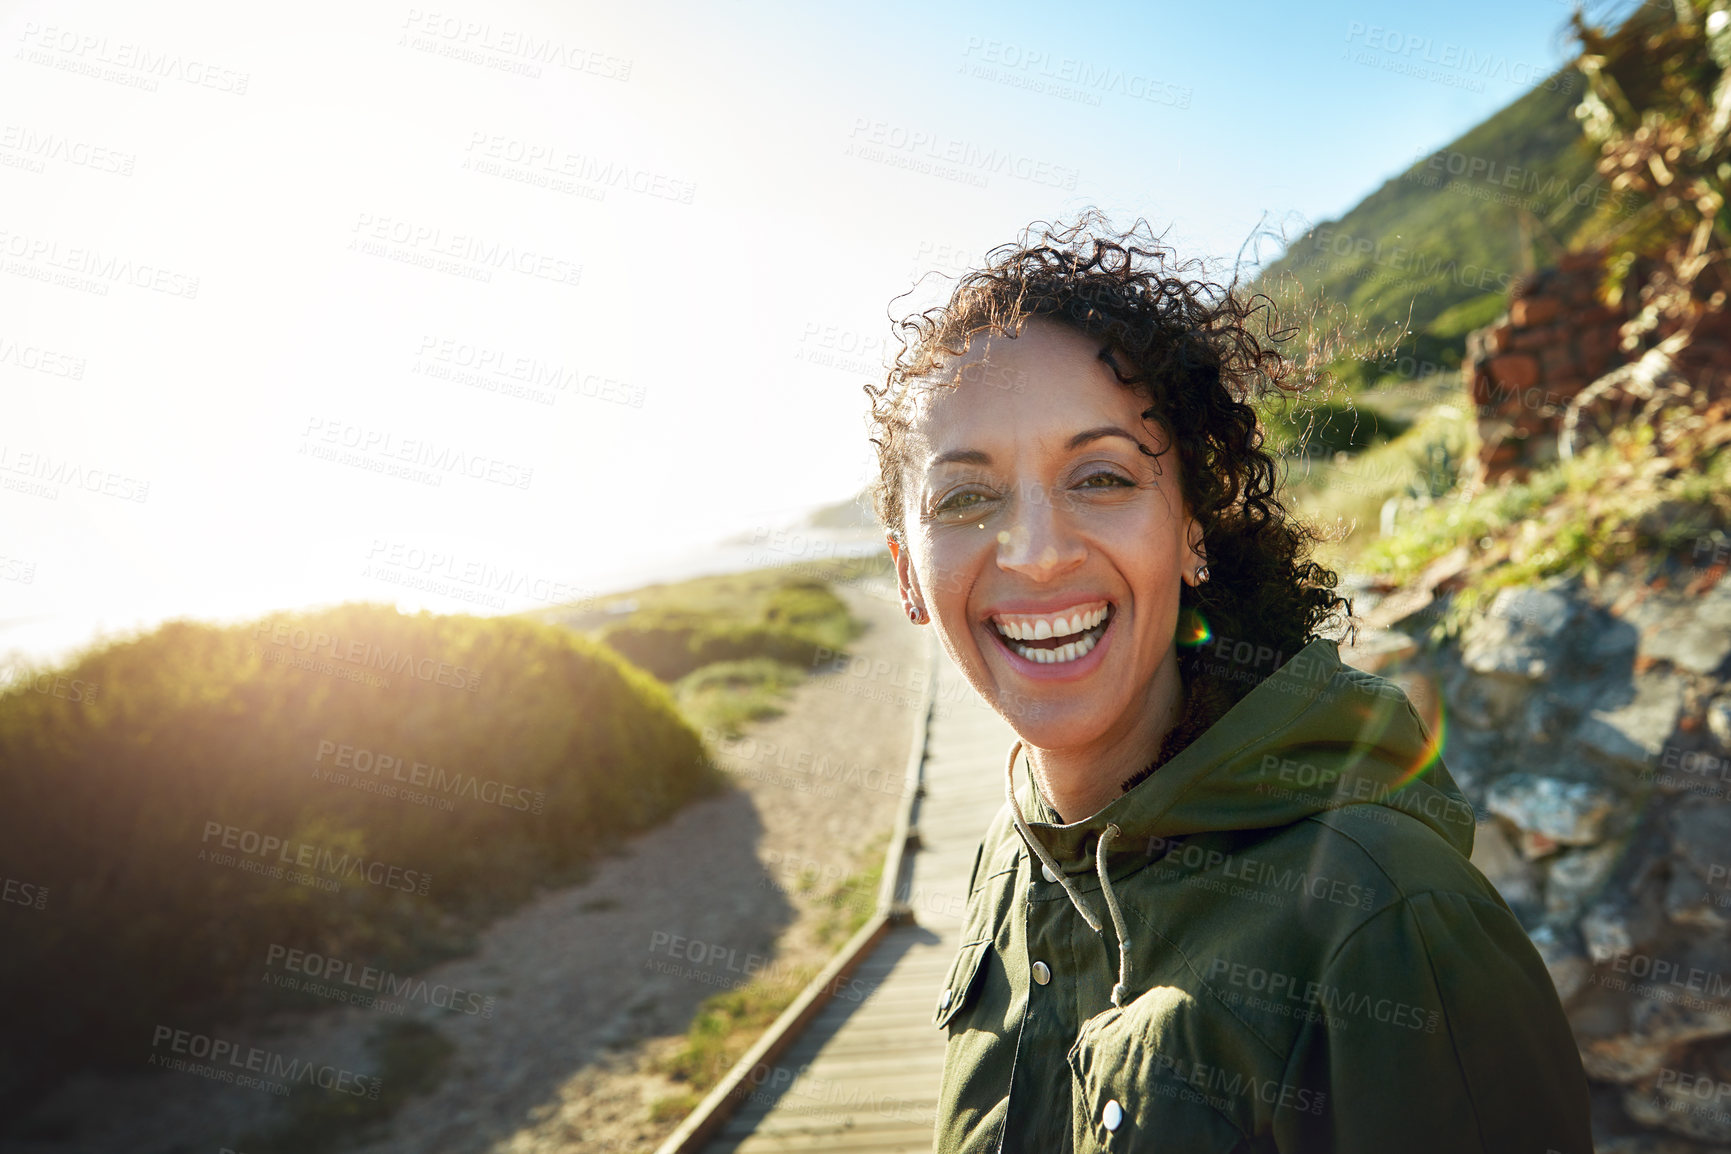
x=1192, y=628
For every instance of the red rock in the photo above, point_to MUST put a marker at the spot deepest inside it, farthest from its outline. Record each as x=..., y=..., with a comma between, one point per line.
x=1537, y=338
x=1534, y=311
x=1558, y=361
x=1515, y=370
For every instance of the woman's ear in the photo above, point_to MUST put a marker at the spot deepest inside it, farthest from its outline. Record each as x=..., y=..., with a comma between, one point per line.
x=913, y=602
x=1198, y=551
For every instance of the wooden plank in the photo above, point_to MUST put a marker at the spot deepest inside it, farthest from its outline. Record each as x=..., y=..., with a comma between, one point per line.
x=864, y=1076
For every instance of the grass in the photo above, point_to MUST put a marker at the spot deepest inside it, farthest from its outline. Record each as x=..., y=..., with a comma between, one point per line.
x=730, y=646
x=849, y=904
x=1623, y=497
x=1326, y=427
x=724, y=695
x=728, y=1023
x=1346, y=495
x=672, y=631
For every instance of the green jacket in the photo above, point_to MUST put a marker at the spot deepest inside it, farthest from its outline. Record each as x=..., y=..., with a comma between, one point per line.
x=1313, y=963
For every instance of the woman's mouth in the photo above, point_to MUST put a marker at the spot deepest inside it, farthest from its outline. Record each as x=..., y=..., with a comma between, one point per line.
x=1054, y=639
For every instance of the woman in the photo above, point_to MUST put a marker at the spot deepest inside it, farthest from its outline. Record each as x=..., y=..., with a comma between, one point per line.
x=1227, y=905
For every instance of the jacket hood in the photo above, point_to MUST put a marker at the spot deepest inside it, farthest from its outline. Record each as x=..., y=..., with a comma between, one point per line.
x=1315, y=735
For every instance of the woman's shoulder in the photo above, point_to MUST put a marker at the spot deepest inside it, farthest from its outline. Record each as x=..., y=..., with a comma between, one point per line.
x=1401, y=849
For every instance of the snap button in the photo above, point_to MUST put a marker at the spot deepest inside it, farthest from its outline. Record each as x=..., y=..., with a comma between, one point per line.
x=1042, y=973
x=1112, y=1115
x=944, y=1000
x=1046, y=871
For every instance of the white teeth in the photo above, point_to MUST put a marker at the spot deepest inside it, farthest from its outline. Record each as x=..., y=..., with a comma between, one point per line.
x=1069, y=651
x=1043, y=628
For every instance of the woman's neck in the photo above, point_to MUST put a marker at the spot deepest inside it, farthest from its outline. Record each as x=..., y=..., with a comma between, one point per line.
x=1079, y=782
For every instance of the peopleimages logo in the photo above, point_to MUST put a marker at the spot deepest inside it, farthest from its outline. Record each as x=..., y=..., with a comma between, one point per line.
x=367, y=985
x=258, y=848
x=227, y=1058
x=1416, y=265
x=365, y=763
x=316, y=642
x=1447, y=62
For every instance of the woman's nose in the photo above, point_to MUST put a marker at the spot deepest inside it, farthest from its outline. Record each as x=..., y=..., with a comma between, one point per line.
x=1039, y=541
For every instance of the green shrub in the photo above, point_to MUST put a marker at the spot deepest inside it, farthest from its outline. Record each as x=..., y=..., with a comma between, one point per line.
x=726, y=695
x=528, y=749
x=788, y=622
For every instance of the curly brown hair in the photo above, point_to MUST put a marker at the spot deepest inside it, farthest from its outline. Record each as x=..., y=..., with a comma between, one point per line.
x=1191, y=348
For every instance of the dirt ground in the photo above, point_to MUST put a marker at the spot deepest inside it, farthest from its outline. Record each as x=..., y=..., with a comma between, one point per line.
x=592, y=983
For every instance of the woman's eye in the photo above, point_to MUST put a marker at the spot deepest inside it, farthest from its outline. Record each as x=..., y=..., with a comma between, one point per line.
x=960, y=502
x=1111, y=480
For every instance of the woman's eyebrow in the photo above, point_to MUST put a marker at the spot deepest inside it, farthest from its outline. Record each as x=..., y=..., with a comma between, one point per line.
x=977, y=457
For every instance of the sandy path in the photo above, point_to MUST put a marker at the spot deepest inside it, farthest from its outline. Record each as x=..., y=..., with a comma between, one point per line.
x=587, y=984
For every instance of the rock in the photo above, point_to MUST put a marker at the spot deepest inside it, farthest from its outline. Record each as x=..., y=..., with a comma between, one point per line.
x=1612, y=644
x=1658, y=1102
x=1650, y=1144
x=1630, y=723
x=1719, y=720
x=1535, y=845
x=1514, y=370
x=1691, y=902
x=1701, y=834
x=1693, y=771
x=1560, y=947
x=1534, y=311
x=1513, y=876
x=1667, y=1013
x=1655, y=1022
x=1616, y=926
x=1576, y=879
x=1696, y=636
x=1470, y=758
x=1566, y=812
x=1553, y=712
x=1486, y=702
x=1699, y=892
x=1518, y=634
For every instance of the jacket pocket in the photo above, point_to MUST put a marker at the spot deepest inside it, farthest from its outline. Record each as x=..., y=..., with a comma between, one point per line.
x=962, y=983
x=1137, y=1085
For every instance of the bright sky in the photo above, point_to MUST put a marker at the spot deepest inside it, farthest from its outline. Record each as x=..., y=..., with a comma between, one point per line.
x=296, y=300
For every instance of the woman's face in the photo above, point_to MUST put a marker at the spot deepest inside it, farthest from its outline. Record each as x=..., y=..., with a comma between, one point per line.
x=1047, y=548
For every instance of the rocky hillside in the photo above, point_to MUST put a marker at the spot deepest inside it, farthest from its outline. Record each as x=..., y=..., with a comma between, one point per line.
x=1590, y=725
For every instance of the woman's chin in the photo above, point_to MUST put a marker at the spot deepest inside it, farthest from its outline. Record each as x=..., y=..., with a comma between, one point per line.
x=1053, y=725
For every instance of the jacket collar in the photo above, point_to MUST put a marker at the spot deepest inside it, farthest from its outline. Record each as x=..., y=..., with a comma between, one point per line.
x=1311, y=711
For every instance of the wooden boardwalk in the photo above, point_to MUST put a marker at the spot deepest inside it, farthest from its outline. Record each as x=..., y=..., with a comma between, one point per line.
x=863, y=1077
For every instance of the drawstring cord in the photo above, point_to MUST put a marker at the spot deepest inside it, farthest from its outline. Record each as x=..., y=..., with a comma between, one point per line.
x=1121, y=990
x=1107, y=836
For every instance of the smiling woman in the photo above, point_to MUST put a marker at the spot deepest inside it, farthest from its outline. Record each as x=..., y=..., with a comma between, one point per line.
x=1288, y=949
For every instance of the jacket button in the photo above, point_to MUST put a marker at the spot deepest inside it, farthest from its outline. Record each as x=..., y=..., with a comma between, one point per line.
x=1112, y=1115
x=1042, y=973
x=1046, y=871
x=944, y=1001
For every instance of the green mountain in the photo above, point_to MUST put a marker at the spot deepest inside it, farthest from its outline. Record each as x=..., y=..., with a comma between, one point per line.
x=1430, y=255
